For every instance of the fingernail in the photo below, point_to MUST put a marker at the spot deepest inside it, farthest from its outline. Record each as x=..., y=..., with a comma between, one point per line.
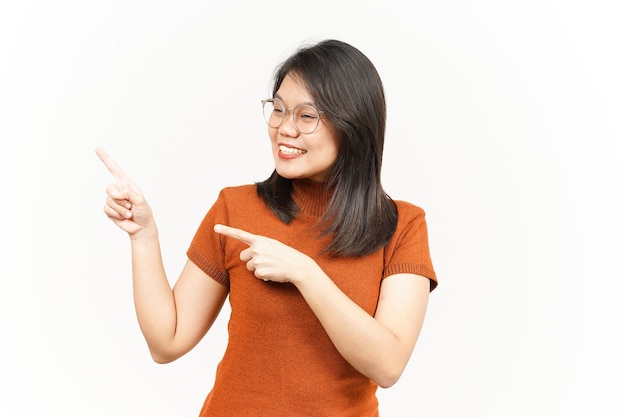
x=128, y=205
x=129, y=214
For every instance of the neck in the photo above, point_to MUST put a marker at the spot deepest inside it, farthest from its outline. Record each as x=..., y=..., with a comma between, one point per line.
x=311, y=197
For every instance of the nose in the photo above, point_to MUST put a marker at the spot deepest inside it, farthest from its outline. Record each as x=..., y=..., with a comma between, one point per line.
x=288, y=127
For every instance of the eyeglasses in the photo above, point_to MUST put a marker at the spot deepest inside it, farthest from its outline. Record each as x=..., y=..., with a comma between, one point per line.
x=306, y=118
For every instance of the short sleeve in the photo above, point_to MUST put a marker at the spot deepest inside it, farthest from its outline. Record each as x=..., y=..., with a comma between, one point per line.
x=206, y=249
x=408, y=250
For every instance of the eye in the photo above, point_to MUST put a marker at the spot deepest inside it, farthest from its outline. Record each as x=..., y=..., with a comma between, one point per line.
x=307, y=114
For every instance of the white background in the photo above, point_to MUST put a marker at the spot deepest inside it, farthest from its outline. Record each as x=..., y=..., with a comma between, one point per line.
x=506, y=124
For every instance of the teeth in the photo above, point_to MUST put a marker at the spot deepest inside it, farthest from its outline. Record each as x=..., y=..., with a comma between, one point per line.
x=286, y=149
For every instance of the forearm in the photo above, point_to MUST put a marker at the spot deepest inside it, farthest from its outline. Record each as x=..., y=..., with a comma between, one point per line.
x=369, y=346
x=154, y=299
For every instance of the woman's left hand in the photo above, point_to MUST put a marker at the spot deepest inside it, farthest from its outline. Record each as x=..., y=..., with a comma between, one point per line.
x=269, y=259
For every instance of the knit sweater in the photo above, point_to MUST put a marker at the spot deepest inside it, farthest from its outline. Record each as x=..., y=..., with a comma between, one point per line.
x=279, y=361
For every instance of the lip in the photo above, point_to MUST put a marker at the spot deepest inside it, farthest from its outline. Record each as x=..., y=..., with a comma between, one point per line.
x=286, y=155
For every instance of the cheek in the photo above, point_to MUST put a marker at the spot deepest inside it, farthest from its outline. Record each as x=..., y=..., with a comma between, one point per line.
x=333, y=149
x=333, y=144
x=328, y=155
x=272, y=133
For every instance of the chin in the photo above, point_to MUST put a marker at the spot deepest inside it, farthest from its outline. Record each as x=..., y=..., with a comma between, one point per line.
x=290, y=175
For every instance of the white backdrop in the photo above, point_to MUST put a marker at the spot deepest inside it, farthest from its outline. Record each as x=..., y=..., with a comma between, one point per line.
x=506, y=124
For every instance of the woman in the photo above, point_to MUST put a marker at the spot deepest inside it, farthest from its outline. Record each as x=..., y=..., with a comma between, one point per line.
x=327, y=277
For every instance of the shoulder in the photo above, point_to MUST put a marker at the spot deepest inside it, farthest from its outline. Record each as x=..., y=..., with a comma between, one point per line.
x=411, y=224
x=408, y=212
x=243, y=195
x=408, y=250
x=235, y=199
x=244, y=190
x=242, y=201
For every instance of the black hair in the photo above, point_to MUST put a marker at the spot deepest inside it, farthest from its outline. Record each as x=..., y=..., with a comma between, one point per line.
x=344, y=84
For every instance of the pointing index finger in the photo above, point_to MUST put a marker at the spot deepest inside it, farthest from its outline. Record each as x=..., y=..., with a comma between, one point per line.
x=241, y=235
x=110, y=163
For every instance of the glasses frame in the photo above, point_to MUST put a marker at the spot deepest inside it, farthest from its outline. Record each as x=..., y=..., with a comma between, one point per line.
x=286, y=112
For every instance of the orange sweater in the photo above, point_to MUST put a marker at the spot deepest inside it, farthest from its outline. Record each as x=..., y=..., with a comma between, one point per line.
x=279, y=361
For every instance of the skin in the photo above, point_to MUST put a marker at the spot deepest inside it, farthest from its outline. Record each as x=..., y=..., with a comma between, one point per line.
x=320, y=148
x=173, y=320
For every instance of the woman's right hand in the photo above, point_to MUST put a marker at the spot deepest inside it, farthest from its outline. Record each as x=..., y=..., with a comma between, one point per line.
x=125, y=204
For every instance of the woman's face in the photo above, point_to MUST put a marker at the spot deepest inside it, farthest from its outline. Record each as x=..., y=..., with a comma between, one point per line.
x=296, y=155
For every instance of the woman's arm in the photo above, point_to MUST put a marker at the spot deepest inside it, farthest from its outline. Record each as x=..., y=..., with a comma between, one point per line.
x=172, y=321
x=379, y=347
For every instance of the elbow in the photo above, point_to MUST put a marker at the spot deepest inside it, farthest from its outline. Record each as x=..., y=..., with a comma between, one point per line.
x=387, y=381
x=167, y=351
x=385, y=370
x=162, y=358
x=387, y=378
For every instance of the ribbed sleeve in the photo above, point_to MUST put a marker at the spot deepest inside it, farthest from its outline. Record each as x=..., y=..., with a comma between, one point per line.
x=206, y=249
x=408, y=251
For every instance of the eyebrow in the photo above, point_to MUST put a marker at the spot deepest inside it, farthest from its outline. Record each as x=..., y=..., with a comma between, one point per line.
x=309, y=103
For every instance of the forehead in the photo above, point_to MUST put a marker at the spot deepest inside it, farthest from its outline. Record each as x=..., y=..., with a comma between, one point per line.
x=293, y=90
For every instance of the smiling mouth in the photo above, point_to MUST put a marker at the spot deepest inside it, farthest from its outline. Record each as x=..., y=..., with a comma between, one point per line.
x=291, y=151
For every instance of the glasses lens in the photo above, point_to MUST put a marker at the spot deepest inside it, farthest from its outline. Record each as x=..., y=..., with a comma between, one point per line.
x=274, y=112
x=307, y=118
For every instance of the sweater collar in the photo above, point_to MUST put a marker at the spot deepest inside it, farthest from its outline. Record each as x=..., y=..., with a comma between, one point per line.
x=311, y=197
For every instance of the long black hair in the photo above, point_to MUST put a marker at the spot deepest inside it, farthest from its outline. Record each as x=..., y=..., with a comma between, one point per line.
x=345, y=85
